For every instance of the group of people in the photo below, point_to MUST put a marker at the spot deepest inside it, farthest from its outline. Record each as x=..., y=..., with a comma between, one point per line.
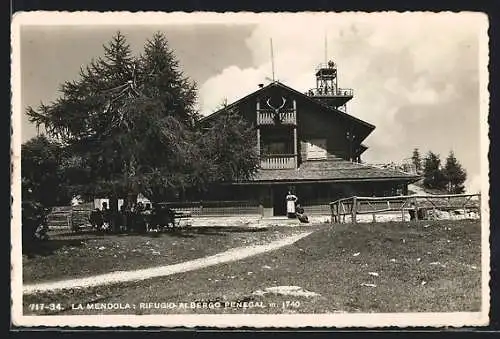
x=294, y=209
x=141, y=217
x=135, y=218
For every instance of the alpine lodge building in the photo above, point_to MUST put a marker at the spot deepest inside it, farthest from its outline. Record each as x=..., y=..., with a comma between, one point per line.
x=309, y=145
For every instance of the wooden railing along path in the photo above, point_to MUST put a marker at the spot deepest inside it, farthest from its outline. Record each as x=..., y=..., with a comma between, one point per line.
x=421, y=204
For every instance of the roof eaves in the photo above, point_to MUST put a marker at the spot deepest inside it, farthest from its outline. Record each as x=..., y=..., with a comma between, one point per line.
x=367, y=124
x=336, y=180
x=277, y=83
x=235, y=103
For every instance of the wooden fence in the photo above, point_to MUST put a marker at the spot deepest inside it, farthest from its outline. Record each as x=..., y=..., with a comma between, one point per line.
x=75, y=217
x=216, y=208
x=425, y=206
x=70, y=217
x=316, y=208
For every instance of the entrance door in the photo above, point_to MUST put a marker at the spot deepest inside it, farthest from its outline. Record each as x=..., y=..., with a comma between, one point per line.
x=279, y=203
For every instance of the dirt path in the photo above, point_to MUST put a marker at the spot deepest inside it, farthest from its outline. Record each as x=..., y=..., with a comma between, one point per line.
x=161, y=271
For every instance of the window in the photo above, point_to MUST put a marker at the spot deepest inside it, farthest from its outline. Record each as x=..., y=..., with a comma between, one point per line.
x=316, y=149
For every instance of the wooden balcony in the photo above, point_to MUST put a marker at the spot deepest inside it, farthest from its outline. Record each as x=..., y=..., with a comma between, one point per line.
x=278, y=161
x=267, y=117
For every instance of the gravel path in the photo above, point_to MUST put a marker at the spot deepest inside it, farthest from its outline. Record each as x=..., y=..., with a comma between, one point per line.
x=143, y=274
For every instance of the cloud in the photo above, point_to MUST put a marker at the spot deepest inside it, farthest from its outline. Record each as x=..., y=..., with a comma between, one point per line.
x=415, y=76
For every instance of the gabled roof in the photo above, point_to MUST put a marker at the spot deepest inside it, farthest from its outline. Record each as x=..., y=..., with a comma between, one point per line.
x=337, y=170
x=362, y=148
x=302, y=95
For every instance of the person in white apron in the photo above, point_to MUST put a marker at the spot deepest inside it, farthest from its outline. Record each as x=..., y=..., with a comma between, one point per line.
x=291, y=199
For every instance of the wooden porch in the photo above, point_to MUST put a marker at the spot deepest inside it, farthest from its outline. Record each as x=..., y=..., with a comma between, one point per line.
x=278, y=161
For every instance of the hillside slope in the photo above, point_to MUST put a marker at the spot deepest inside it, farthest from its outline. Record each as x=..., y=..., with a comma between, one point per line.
x=418, y=188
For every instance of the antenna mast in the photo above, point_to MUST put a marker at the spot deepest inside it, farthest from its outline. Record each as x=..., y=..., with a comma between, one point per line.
x=272, y=58
x=326, y=50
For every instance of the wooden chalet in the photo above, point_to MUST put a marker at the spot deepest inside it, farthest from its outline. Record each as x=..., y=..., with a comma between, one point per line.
x=308, y=144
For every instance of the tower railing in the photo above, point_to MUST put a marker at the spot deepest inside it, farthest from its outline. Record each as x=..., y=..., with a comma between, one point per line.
x=340, y=92
x=327, y=65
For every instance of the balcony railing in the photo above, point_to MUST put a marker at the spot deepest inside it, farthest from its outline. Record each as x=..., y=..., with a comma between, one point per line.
x=278, y=161
x=268, y=117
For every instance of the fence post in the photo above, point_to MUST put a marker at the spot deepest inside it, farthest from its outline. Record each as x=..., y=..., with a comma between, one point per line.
x=70, y=220
x=403, y=211
x=201, y=208
x=479, y=210
x=343, y=212
x=335, y=213
x=354, y=209
x=416, y=209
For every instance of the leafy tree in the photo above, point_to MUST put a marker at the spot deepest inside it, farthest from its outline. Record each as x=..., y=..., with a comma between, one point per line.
x=433, y=176
x=416, y=160
x=43, y=178
x=229, y=144
x=47, y=176
x=455, y=175
x=34, y=216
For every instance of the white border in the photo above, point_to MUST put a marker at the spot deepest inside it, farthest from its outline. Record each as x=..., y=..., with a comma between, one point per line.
x=233, y=320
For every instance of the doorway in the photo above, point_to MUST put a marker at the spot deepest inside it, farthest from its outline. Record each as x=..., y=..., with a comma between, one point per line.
x=279, y=195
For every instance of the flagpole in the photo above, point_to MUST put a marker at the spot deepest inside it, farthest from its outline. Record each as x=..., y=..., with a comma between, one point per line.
x=326, y=50
x=272, y=57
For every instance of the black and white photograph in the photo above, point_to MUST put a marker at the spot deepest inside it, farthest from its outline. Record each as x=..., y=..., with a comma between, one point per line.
x=310, y=169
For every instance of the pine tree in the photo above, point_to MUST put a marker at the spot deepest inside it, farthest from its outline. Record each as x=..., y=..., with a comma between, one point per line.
x=164, y=80
x=416, y=160
x=455, y=175
x=130, y=126
x=433, y=176
x=122, y=122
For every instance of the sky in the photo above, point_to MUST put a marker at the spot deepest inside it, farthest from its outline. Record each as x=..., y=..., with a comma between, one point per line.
x=415, y=76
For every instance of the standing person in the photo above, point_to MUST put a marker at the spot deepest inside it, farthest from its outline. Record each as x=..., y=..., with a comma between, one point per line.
x=106, y=216
x=130, y=213
x=412, y=211
x=147, y=214
x=140, y=220
x=291, y=200
x=122, y=219
x=96, y=219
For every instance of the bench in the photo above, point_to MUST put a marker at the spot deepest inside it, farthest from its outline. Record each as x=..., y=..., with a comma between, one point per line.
x=178, y=216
